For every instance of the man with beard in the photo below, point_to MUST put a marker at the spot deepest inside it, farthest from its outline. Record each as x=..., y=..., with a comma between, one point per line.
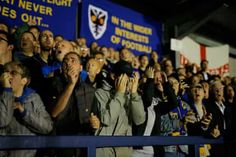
x=36, y=62
x=71, y=102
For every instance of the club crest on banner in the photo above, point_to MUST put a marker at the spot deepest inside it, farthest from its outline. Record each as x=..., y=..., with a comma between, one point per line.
x=97, y=18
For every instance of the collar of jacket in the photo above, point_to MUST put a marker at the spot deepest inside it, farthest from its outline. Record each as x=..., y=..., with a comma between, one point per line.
x=106, y=86
x=27, y=91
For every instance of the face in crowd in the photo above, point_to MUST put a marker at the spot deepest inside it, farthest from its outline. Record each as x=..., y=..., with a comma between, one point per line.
x=126, y=55
x=5, y=47
x=92, y=67
x=101, y=59
x=94, y=45
x=158, y=77
x=105, y=51
x=46, y=40
x=18, y=76
x=144, y=61
x=81, y=41
x=204, y=65
x=197, y=92
x=135, y=63
x=71, y=65
x=206, y=87
x=217, y=90
x=168, y=67
x=27, y=41
x=175, y=84
x=154, y=55
x=62, y=48
x=84, y=51
x=35, y=31
x=57, y=39
x=229, y=92
x=195, y=79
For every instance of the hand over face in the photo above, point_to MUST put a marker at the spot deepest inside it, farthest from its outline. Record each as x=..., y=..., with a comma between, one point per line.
x=73, y=73
x=134, y=82
x=5, y=80
x=121, y=83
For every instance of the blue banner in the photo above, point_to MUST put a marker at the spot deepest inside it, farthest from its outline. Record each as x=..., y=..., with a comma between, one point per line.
x=56, y=15
x=115, y=26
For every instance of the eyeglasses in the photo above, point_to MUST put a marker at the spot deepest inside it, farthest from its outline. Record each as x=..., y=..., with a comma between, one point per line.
x=2, y=39
x=83, y=49
x=219, y=89
x=14, y=72
x=99, y=59
x=44, y=37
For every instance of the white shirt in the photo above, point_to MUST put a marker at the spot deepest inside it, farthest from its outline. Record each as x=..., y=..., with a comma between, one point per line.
x=150, y=123
x=205, y=76
x=222, y=109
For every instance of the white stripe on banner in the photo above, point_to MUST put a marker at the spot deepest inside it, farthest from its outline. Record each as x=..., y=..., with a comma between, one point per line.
x=190, y=51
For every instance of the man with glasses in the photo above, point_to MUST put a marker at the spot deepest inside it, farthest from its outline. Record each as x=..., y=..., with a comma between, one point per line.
x=22, y=111
x=85, y=54
x=6, y=48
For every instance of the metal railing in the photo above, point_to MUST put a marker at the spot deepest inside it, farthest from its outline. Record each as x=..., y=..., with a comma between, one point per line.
x=93, y=142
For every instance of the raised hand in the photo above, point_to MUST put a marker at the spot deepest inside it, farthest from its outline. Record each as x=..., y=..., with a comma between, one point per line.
x=73, y=73
x=121, y=83
x=150, y=72
x=183, y=86
x=134, y=82
x=5, y=80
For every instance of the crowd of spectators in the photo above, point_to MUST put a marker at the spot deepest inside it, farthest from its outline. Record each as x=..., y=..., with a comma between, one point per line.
x=54, y=86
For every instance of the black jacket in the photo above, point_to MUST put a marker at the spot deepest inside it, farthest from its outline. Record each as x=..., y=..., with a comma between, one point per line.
x=74, y=119
x=151, y=94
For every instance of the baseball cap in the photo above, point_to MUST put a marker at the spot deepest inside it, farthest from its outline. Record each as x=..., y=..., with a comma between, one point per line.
x=123, y=67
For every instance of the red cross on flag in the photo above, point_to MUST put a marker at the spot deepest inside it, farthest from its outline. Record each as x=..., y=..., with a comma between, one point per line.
x=193, y=52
